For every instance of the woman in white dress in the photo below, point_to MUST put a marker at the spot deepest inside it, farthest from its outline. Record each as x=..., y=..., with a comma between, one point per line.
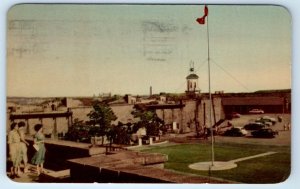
x=14, y=149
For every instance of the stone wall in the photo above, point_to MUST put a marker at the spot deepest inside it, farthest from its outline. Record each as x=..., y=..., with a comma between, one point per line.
x=62, y=125
x=204, y=111
x=185, y=118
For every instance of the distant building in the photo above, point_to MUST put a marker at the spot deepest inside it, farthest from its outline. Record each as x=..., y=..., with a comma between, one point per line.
x=271, y=101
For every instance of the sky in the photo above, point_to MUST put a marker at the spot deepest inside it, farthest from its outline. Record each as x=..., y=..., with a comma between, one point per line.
x=85, y=50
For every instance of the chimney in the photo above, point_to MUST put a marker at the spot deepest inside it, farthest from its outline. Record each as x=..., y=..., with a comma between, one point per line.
x=150, y=90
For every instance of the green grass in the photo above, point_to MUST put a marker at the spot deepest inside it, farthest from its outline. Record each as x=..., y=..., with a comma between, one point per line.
x=273, y=168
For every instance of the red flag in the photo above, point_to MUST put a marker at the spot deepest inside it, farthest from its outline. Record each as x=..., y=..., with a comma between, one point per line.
x=202, y=19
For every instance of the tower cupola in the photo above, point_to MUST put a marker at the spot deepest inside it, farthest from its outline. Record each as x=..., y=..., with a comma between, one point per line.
x=192, y=81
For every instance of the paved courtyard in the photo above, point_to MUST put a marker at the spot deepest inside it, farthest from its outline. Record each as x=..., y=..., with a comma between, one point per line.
x=282, y=139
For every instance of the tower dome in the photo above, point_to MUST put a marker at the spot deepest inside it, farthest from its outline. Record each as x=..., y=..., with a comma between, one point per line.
x=192, y=76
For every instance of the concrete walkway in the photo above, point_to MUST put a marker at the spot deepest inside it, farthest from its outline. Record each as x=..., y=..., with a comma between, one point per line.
x=29, y=177
x=251, y=157
x=48, y=175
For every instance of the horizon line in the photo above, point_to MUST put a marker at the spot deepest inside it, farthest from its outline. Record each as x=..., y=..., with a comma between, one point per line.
x=91, y=96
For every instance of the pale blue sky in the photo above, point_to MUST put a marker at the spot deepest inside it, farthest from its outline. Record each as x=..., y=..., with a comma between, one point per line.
x=81, y=50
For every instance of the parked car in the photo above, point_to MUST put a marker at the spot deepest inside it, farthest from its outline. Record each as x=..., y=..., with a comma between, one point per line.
x=266, y=120
x=243, y=130
x=263, y=121
x=270, y=119
x=254, y=126
x=264, y=133
x=256, y=111
x=235, y=132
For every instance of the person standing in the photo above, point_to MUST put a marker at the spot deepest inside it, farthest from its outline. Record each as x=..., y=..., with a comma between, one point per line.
x=23, y=145
x=14, y=149
x=288, y=127
x=39, y=156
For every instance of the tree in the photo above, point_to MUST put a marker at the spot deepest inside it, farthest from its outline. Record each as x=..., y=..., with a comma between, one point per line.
x=149, y=120
x=78, y=132
x=102, y=116
x=120, y=134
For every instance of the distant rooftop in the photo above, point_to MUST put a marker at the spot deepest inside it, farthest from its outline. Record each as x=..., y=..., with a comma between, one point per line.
x=253, y=101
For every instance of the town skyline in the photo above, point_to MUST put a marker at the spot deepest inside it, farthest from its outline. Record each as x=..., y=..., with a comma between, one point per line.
x=108, y=48
x=141, y=95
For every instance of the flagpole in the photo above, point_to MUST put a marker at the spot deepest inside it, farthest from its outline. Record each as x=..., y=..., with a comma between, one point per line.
x=210, y=99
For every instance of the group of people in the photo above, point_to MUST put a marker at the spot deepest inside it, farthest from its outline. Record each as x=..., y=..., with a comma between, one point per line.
x=18, y=149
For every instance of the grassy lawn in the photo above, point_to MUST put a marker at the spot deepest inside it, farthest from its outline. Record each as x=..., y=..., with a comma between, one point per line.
x=273, y=168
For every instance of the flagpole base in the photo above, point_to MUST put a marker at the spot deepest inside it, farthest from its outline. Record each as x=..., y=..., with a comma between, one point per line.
x=216, y=166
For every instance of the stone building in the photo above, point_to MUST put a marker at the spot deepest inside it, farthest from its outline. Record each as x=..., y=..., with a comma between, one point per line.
x=191, y=112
